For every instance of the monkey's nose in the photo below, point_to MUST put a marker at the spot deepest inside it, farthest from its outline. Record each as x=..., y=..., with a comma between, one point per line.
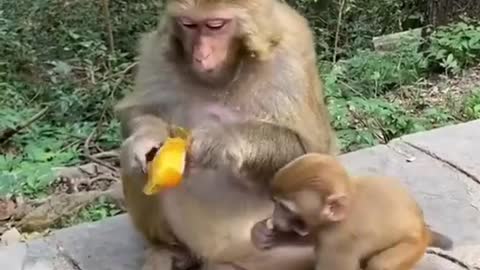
x=202, y=58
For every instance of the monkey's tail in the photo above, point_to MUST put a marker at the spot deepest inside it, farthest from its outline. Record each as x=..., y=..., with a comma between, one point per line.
x=440, y=240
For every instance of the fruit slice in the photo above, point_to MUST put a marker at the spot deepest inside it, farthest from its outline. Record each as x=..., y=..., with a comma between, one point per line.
x=166, y=169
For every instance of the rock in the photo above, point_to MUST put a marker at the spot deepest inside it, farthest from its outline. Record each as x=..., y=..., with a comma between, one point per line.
x=392, y=42
x=10, y=237
x=112, y=244
x=7, y=209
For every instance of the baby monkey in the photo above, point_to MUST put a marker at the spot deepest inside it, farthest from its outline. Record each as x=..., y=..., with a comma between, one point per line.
x=371, y=223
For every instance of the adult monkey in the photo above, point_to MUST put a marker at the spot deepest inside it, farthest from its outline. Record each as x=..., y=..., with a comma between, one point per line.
x=248, y=66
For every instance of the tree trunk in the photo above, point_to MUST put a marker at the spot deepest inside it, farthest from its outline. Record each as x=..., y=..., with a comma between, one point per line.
x=441, y=12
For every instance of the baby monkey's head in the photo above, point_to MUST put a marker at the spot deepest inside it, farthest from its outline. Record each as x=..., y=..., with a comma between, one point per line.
x=310, y=191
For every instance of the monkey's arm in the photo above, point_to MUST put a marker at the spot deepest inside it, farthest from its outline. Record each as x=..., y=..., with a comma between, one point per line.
x=141, y=123
x=261, y=148
x=145, y=109
x=144, y=112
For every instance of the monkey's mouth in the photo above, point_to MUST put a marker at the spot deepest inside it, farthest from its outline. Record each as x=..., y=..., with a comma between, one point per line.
x=151, y=154
x=299, y=226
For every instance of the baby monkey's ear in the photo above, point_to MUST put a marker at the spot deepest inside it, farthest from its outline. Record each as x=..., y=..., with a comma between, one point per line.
x=335, y=208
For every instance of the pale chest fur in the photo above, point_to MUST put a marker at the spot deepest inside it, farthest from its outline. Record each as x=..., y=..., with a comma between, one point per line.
x=215, y=214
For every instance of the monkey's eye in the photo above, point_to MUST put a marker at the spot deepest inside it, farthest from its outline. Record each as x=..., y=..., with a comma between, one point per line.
x=187, y=23
x=216, y=24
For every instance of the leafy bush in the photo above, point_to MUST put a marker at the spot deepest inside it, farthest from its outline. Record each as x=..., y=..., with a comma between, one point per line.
x=362, y=20
x=472, y=105
x=455, y=46
x=355, y=90
x=369, y=74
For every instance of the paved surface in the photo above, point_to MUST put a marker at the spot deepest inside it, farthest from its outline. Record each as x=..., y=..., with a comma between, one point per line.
x=441, y=167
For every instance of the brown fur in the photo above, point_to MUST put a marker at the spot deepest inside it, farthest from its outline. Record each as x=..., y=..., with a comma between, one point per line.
x=277, y=93
x=383, y=227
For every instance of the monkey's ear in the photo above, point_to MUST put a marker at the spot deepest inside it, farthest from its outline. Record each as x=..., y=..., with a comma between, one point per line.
x=335, y=208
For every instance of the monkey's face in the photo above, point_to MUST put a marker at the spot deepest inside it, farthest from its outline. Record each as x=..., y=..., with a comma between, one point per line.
x=300, y=211
x=286, y=218
x=209, y=42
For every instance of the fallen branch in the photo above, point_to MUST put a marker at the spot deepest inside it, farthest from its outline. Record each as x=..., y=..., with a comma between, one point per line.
x=100, y=162
x=108, y=24
x=55, y=208
x=106, y=154
x=10, y=132
x=337, y=31
x=103, y=177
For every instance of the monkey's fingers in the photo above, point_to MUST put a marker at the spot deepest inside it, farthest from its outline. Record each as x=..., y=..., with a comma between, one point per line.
x=185, y=262
x=269, y=223
x=149, y=156
x=141, y=162
x=262, y=237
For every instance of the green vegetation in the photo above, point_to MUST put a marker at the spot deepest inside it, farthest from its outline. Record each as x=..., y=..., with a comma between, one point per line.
x=55, y=55
x=96, y=211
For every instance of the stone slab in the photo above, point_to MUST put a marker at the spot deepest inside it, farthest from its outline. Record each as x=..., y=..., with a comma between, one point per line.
x=449, y=198
x=456, y=144
x=470, y=254
x=36, y=255
x=432, y=262
x=11, y=258
x=111, y=244
x=93, y=253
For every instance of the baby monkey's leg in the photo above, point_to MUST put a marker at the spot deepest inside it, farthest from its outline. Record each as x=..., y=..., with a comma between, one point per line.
x=337, y=260
x=402, y=256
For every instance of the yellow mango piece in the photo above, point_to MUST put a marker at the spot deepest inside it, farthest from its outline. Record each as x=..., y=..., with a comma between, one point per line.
x=166, y=168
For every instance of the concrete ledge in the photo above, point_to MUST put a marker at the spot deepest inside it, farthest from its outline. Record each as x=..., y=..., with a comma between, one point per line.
x=111, y=244
x=447, y=196
x=459, y=145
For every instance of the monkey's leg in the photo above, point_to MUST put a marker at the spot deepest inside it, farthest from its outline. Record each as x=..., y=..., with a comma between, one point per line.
x=402, y=256
x=158, y=259
x=338, y=259
x=146, y=212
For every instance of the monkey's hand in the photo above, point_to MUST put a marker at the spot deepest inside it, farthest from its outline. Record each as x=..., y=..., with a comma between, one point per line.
x=136, y=148
x=262, y=236
x=265, y=236
x=211, y=148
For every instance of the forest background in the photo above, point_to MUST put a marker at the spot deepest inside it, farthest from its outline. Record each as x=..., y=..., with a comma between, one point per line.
x=390, y=68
